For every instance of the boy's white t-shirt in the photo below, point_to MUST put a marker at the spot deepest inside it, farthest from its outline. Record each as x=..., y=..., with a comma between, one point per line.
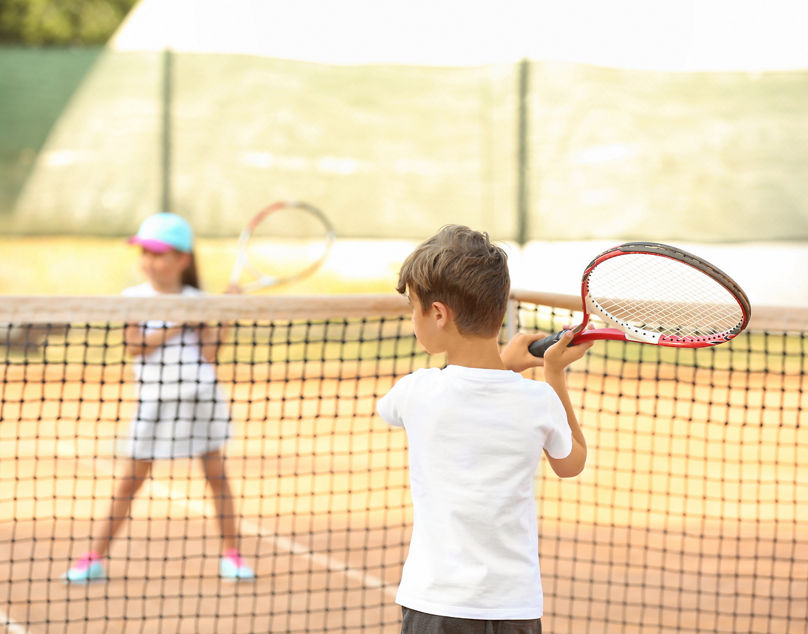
x=475, y=439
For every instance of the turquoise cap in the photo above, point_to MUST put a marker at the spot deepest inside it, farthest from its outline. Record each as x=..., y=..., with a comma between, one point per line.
x=163, y=232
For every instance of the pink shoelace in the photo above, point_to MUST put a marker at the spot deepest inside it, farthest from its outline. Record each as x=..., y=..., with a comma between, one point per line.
x=86, y=559
x=233, y=555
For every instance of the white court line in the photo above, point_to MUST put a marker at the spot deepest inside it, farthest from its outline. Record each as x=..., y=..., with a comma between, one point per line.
x=199, y=507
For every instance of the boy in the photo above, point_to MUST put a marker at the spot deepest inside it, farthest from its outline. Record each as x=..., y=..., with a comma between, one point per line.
x=475, y=431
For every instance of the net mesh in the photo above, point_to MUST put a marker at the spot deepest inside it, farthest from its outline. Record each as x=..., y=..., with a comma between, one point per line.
x=688, y=517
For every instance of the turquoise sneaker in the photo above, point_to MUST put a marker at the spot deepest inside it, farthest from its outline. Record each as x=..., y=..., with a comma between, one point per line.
x=89, y=568
x=233, y=568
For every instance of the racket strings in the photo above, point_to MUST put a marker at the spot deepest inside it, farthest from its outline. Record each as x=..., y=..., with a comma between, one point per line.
x=285, y=242
x=662, y=295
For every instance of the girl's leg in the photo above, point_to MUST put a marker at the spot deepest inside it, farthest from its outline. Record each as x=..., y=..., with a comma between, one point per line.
x=215, y=474
x=231, y=567
x=135, y=474
x=90, y=566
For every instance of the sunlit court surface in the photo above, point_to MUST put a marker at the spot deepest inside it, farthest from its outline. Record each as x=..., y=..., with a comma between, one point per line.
x=562, y=129
x=688, y=517
x=320, y=489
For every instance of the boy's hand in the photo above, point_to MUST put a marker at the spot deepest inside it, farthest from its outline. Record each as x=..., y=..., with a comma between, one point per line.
x=561, y=354
x=515, y=354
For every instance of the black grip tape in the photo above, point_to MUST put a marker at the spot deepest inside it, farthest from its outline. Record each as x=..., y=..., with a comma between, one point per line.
x=539, y=347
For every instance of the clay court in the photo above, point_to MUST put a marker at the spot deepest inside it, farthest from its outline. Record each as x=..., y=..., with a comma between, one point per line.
x=686, y=518
x=321, y=494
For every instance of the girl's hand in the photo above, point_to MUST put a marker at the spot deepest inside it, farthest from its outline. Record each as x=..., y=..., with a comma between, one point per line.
x=515, y=354
x=137, y=342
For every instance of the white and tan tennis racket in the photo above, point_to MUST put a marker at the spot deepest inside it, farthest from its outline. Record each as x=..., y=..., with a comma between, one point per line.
x=283, y=243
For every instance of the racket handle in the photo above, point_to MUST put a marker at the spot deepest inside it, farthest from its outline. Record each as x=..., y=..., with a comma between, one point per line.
x=539, y=347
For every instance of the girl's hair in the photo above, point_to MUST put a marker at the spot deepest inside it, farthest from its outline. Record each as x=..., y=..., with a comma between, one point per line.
x=190, y=276
x=463, y=269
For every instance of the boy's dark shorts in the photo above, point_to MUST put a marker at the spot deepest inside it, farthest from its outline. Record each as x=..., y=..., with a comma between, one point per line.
x=414, y=622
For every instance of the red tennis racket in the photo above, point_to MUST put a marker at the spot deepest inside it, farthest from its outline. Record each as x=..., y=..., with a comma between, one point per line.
x=657, y=294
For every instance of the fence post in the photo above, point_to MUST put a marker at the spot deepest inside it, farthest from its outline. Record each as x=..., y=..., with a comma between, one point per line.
x=523, y=156
x=511, y=319
x=165, y=132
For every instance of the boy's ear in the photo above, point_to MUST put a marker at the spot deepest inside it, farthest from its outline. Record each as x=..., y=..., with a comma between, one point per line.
x=442, y=313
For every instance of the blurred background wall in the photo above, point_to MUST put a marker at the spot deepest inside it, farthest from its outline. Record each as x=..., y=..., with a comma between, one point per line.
x=595, y=122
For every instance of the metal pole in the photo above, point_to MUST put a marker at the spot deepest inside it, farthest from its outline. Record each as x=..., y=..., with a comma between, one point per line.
x=165, y=136
x=523, y=155
x=511, y=320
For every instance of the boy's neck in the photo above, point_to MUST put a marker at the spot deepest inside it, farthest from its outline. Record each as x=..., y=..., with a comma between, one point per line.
x=475, y=352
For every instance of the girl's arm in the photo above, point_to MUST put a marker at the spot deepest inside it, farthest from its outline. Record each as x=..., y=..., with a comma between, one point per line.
x=137, y=342
x=210, y=338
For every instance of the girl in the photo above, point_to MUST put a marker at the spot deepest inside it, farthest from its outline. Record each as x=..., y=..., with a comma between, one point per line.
x=181, y=411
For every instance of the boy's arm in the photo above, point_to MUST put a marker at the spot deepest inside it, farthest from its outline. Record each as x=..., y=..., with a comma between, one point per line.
x=516, y=357
x=556, y=359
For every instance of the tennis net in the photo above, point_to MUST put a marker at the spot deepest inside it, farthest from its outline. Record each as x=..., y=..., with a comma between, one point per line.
x=689, y=517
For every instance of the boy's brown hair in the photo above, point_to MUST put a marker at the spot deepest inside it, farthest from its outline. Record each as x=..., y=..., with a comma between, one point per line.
x=463, y=269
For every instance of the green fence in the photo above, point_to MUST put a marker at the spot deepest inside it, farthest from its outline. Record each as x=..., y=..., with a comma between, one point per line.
x=537, y=150
x=35, y=86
